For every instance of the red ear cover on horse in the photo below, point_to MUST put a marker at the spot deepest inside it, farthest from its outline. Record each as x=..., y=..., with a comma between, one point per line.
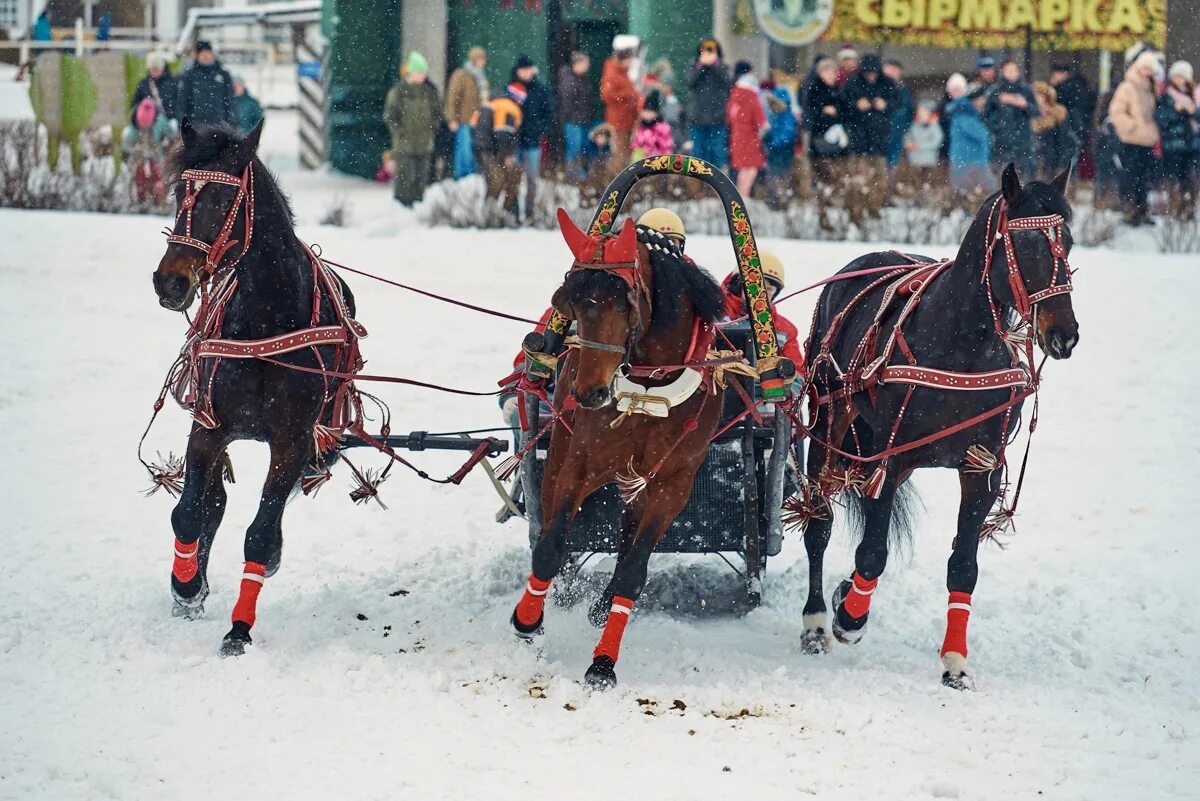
x=581, y=245
x=625, y=248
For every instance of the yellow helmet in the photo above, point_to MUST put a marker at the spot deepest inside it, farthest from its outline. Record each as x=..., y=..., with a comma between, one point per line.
x=772, y=267
x=666, y=221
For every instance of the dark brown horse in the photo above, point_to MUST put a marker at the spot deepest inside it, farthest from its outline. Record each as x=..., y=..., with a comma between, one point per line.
x=927, y=365
x=261, y=288
x=635, y=299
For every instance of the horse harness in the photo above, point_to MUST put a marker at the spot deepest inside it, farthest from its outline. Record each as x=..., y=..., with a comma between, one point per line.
x=870, y=366
x=193, y=375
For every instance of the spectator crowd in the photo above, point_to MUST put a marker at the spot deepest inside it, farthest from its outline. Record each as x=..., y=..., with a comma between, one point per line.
x=205, y=93
x=850, y=118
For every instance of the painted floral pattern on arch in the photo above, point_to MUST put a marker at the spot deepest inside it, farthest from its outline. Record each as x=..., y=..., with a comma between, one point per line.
x=762, y=320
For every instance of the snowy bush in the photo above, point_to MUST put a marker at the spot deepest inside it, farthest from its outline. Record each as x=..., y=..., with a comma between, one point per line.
x=27, y=183
x=1178, y=231
x=1093, y=227
x=337, y=213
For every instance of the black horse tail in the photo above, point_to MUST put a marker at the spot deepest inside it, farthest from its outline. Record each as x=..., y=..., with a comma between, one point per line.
x=906, y=508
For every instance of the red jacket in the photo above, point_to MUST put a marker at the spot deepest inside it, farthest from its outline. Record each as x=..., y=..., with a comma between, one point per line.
x=735, y=307
x=620, y=97
x=746, y=117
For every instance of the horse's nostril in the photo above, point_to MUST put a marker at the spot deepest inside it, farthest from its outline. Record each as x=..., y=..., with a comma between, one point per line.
x=595, y=399
x=178, y=285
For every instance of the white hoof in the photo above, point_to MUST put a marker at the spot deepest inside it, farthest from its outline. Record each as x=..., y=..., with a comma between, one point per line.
x=816, y=638
x=954, y=674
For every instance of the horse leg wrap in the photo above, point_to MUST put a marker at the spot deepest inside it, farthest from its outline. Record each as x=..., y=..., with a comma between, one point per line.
x=858, y=600
x=958, y=612
x=614, y=629
x=186, y=563
x=253, y=576
x=533, y=600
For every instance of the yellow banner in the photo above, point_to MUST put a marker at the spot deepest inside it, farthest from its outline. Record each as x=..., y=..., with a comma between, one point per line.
x=1057, y=24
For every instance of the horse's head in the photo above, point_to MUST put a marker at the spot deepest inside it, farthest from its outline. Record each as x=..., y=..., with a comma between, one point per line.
x=607, y=295
x=214, y=194
x=1029, y=243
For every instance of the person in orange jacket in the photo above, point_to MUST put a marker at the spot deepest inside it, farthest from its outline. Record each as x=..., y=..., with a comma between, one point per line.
x=735, y=305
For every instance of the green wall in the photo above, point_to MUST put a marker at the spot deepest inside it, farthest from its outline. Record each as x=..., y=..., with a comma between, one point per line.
x=671, y=29
x=504, y=32
x=364, y=56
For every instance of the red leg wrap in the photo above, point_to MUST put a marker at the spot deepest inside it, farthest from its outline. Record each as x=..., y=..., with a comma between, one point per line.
x=253, y=576
x=958, y=612
x=614, y=629
x=858, y=600
x=529, y=608
x=186, y=563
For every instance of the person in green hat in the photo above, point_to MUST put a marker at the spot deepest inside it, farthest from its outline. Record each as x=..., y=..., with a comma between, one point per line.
x=413, y=113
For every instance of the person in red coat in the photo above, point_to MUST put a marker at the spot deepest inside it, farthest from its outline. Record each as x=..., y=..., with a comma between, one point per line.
x=621, y=102
x=747, y=122
x=735, y=306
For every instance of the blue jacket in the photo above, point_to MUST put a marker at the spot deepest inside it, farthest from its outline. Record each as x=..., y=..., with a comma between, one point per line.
x=784, y=130
x=41, y=28
x=970, y=140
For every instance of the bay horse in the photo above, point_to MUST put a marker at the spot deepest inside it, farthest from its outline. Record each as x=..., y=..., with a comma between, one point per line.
x=928, y=366
x=266, y=302
x=636, y=300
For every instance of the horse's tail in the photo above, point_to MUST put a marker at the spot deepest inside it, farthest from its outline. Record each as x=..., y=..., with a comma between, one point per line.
x=905, y=509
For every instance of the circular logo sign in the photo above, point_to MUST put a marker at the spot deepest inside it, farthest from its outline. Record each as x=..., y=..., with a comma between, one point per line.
x=793, y=22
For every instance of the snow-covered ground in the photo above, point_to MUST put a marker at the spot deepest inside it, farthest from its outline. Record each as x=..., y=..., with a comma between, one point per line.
x=1084, y=639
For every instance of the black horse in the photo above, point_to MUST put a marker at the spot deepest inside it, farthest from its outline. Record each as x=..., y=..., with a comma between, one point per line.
x=967, y=321
x=233, y=242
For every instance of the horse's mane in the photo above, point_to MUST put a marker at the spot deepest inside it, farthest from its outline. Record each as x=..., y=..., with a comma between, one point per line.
x=205, y=150
x=674, y=279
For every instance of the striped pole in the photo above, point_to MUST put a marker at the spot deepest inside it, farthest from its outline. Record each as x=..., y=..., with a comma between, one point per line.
x=310, y=74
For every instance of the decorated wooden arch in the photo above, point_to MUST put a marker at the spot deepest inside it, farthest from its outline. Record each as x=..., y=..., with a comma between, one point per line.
x=761, y=316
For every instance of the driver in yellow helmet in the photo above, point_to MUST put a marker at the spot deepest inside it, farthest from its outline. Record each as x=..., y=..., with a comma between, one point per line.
x=665, y=222
x=735, y=304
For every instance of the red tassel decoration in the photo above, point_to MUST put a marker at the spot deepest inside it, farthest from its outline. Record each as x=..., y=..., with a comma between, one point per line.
x=325, y=438
x=166, y=474
x=873, y=487
x=368, y=487
x=980, y=460
x=310, y=484
x=507, y=467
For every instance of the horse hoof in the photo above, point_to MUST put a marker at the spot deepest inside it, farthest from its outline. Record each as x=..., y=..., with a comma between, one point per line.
x=527, y=633
x=189, y=598
x=962, y=681
x=187, y=611
x=955, y=675
x=816, y=638
x=601, y=676
x=846, y=629
x=815, y=642
x=235, y=641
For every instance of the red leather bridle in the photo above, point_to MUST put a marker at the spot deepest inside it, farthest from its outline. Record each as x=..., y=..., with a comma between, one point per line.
x=1000, y=233
x=194, y=182
x=617, y=255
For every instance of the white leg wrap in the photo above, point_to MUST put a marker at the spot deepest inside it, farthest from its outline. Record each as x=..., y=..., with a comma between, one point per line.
x=817, y=620
x=955, y=663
